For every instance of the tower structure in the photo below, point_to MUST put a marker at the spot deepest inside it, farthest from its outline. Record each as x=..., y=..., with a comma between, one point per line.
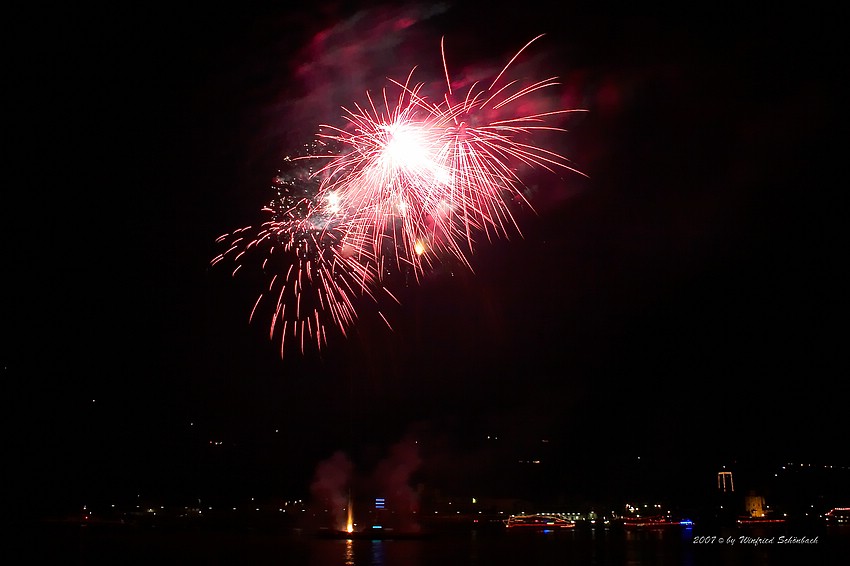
x=725, y=483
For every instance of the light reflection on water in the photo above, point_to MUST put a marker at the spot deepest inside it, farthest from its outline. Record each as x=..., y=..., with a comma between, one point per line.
x=591, y=548
x=377, y=553
x=364, y=552
x=467, y=548
x=475, y=549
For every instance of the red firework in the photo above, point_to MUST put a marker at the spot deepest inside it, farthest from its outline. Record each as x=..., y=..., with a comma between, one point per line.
x=409, y=182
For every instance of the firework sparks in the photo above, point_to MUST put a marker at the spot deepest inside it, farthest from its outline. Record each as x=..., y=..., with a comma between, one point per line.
x=312, y=274
x=408, y=181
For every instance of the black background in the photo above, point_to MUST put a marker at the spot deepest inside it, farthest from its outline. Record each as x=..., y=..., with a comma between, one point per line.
x=677, y=310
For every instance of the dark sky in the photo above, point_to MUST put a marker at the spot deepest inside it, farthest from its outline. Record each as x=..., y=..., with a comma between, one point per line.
x=682, y=303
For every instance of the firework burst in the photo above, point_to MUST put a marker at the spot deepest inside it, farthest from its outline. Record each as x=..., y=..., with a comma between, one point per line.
x=406, y=182
x=313, y=276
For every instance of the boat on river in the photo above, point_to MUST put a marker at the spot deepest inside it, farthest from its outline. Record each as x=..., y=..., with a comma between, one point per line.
x=538, y=522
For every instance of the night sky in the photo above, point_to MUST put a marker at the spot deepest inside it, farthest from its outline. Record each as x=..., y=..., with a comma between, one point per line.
x=678, y=309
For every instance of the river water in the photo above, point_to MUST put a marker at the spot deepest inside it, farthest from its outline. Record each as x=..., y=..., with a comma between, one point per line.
x=121, y=546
